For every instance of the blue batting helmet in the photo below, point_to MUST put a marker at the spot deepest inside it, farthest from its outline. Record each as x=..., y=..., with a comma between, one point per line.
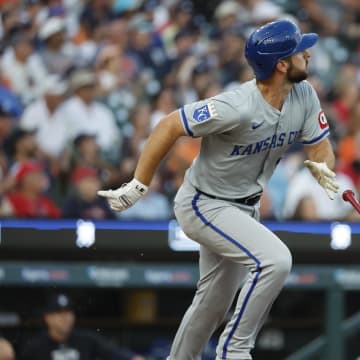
x=272, y=42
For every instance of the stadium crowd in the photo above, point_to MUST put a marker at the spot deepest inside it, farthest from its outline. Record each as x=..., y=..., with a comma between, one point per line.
x=83, y=82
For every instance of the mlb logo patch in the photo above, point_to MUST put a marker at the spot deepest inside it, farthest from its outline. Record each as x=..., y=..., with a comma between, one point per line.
x=204, y=113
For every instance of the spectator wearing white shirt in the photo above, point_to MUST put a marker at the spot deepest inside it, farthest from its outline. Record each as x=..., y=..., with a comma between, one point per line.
x=84, y=115
x=58, y=54
x=305, y=201
x=43, y=116
x=23, y=68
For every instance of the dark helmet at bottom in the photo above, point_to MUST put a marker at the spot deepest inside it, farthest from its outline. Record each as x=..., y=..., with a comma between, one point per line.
x=272, y=42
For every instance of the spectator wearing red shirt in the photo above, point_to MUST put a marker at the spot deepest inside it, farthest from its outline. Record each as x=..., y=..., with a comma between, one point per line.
x=28, y=199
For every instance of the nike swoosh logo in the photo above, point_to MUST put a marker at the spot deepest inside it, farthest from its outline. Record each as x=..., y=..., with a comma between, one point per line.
x=255, y=126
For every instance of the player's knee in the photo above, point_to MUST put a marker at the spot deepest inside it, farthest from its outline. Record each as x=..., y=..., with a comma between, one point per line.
x=281, y=265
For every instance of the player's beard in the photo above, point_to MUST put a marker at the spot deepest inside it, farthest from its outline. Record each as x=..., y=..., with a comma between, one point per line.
x=295, y=75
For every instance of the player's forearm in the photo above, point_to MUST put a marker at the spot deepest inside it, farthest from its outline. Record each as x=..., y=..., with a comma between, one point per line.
x=157, y=146
x=322, y=152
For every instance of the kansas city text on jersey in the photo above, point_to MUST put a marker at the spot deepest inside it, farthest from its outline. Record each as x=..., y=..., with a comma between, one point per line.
x=271, y=142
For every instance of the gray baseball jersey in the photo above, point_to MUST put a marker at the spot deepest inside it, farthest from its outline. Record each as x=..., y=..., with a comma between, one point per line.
x=244, y=137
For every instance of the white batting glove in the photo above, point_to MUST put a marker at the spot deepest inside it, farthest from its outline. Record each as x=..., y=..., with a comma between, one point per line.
x=324, y=176
x=125, y=196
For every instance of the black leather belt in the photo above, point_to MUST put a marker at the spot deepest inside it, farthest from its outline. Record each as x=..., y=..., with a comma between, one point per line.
x=249, y=200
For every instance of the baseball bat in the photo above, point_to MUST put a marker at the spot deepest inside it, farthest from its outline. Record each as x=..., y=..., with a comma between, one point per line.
x=348, y=195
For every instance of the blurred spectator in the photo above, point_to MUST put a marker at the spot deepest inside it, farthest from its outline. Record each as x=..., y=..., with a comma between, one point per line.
x=118, y=34
x=196, y=75
x=43, y=118
x=20, y=146
x=226, y=15
x=108, y=69
x=350, y=26
x=164, y=103
x=140, y=119
x=93, y=15
x=9, y=101
x=244, y=74
x=213, y=88
x=305, y=201
x=178, y=161
x=324, y=18
x=83, y=202
x=348, y=146
x=115, y=88
x=266, y=212
x=347, y=94
x=348, y=150
x=276, y=189
x=6, y=350
x=62, y=341
x=9, y=109
x=28, y=199
x=146, y=47
x=259, y=11
x=86, y=153
x=35, y=13
x=83, y=114
x=23, y=68
x=140, y=125
x=13, y=20
x=231, y=53
x=59, y=55
x=179, y=19
x=156, y=12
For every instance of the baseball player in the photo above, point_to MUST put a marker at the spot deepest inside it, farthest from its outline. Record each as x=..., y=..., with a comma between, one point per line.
x=244, y=134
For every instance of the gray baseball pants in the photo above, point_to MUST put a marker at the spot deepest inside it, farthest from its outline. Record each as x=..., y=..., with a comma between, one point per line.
x=234, y=247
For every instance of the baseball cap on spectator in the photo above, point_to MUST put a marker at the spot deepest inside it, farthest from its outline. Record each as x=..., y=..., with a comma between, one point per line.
x=54, y=85
x=51, y=26
x=27, y=167
x=58, y=302
x=227, y=8
x=82, y=78
x=83, y=172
